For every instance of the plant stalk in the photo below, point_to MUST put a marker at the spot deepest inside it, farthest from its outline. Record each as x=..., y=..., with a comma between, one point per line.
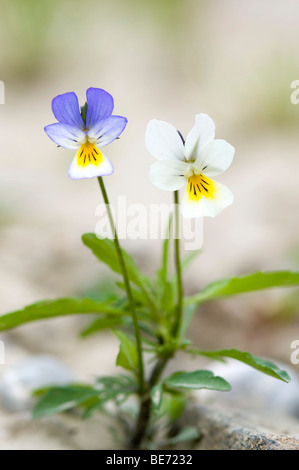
x=141, y=378
x=144, y=413
x=180, y=298
x=145, y=408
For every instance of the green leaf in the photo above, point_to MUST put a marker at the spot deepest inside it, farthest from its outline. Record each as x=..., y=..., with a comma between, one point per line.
x=156, y=395
x=164, y=288
x=173, y=404
x=248, y=283
x=165, y=295
x=59, y=399
x=56, y=308
x=83, y=112
x=102, y=323
x=104, y=250
x=197, y=379
x=189, y=311
x=143, y=326
x=116, y=388
x=102, y=290
x=262, y=365
x=115, y=382
x=163, y=272
x=127, y=356
x=189, y=433
x=90, y=410
x=185, y=263
x=189, y=258
x=137, y=294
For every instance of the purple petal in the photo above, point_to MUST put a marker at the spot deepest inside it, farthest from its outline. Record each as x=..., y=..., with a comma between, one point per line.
x=65, y=135
x=99, y=106
x=108, y=130
x=66, y=110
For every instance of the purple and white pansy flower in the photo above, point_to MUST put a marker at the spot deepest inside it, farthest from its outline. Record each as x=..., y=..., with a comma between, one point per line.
x=86, y=131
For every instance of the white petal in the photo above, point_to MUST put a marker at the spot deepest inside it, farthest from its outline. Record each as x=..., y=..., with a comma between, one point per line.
x=202, y=133
x=163, y=141
x=169, y=175
x=78, y=172
x=215, y=158
x=207, y=207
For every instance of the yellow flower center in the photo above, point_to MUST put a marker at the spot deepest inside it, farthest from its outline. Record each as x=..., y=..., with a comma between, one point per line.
x=89, y=154
x=200, y=185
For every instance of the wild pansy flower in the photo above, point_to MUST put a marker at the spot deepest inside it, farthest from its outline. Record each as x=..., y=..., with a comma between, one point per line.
x=86, y=131
x=191, y=163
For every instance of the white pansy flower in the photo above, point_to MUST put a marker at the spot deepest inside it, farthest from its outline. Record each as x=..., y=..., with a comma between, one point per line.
x=191, y=164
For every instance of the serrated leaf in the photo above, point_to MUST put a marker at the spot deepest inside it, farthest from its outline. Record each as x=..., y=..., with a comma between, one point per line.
x=120, y=380
x=248, y=283
x=102, y=323
x=263, y=365
x=115, y=388
x=197, y=379
x=59, y=399
x=104, y=250
x=93, y=408
x=55, y=308
x=117, y=395
x=127, y=356
x=156, y=395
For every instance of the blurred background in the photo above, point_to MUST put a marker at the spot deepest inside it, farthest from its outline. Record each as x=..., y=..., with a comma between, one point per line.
x=170, y=59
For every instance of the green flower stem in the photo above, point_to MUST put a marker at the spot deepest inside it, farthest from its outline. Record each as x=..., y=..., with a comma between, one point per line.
x=180, y=298
x=142, y=384
x=151, y=302
x=145, y=409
